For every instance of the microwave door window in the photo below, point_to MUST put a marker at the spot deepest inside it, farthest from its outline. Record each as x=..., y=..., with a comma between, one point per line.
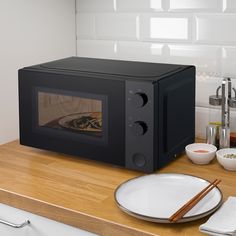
x=70, y=113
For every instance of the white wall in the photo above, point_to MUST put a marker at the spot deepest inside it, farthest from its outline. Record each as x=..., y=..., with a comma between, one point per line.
x=199, y=32
x=31, y=32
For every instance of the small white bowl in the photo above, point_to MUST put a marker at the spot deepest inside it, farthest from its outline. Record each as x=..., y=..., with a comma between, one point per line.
x=227, y=163
x=194, y=153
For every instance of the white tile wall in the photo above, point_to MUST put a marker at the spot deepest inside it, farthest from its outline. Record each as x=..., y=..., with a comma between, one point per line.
x=216, y=29
x=196, y=5
x=229, y=61
x=206, y=58
x=85, y=26
x=95, y=5
x=203, y=117
x=116, y=26
x=198, y=32
x=229, y=6
x=206, y=86
x=97, y=48
x=149, y=52
x=165, y=27
x=139, y=6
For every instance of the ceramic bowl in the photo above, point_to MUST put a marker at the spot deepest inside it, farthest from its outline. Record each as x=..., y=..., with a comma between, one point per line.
x=227, y=163
x=201, y=153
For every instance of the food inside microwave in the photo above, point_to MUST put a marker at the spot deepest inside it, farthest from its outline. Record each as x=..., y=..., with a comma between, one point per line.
x=71, y=113
x=83, y=122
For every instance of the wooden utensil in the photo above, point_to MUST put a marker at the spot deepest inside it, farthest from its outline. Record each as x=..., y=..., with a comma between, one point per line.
x=192, y=202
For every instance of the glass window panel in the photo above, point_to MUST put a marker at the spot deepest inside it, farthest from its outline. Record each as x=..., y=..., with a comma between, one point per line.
x=69, y=112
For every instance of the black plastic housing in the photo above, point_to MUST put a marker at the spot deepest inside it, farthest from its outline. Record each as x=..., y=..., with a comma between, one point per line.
x=167, y=116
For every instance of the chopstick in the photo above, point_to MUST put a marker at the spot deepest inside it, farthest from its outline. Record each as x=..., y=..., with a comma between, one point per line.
x=192, y=202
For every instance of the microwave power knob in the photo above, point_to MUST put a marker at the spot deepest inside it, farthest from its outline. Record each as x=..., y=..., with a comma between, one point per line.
x=139, y=128
x=139, y=99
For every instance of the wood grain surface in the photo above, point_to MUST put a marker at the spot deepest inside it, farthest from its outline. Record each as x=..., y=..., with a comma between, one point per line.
x=80, y=192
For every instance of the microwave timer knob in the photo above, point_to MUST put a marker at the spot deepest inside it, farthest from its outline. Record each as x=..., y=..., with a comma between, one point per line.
x=139, y=128
x=139, y=99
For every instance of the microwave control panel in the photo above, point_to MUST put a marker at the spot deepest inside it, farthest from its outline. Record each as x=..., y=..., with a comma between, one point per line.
x=139, y=126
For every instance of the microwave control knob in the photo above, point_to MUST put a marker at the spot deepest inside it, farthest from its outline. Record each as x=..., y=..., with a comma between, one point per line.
x=139, y=128
x=139, y=99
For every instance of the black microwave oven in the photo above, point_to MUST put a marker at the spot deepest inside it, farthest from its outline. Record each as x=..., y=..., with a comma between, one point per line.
x=132, y=114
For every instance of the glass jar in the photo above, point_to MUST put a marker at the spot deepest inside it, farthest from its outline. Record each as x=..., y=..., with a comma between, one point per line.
x=214, y=125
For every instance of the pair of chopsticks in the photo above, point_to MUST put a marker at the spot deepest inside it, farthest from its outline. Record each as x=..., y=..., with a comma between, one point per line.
x=192, y=202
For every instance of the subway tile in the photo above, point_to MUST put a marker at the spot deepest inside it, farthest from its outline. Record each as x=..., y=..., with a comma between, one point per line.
x=205, y=58
x=95, y=5
x=233, y=120
x=229, y=6
x=201, y=121
x=121, y=26
x=229, y=62
x=139, y=6
x=203, y=117
x=216, y=29
x=140, y=51
x=205, y=86
x=85, y=25
x=165, y=27
x=96, y=48
x=196, y=5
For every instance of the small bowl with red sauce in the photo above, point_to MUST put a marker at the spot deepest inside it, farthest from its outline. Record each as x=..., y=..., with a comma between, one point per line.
x=201, y=153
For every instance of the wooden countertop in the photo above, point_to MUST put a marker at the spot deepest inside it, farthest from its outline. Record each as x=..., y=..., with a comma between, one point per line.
x=80, y=192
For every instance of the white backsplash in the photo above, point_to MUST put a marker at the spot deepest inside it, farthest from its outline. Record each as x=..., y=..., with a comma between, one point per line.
x=198, y=32
x=215, y=29
x=195, y=5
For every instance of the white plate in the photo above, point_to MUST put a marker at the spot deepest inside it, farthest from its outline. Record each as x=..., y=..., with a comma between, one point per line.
x=156, y=197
